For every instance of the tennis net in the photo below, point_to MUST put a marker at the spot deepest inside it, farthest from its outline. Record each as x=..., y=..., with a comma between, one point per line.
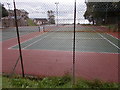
x=79, y=28
x=60, y=28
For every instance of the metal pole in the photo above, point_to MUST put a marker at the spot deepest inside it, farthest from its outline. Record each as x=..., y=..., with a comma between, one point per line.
x=8, y=6
x=57, y=11
x=43, y=28
x=39, y=28
x=118, y=24
x=106, y=13
x=74, y=44
x=18, y=37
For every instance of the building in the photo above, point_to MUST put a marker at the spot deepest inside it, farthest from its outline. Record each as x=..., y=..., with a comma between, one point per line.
x=40, y=21
x=9, y=21
x=20, y=13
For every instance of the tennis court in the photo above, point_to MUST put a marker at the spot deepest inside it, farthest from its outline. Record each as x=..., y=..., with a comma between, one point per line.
x=62, y=39
x=49, y=53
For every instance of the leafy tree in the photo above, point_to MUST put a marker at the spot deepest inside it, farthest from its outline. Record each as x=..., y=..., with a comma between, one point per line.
x=89, y=12
x=102, y=11
x=3, y=11
x=51, y=17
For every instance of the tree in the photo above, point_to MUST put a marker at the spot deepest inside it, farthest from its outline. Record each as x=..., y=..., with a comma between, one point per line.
x=51, y=17
x=3, y=10
x=102, y=11
x=89, y=12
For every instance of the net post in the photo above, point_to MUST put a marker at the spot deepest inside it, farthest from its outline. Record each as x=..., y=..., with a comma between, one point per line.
x=18, y=37
x=43, y=28
x=39, y=28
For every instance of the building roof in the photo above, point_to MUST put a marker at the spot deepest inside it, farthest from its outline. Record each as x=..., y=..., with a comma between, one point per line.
x=41, y=19
x=20, y=10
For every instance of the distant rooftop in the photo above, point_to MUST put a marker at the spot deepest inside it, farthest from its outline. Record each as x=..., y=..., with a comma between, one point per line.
x=42, y=19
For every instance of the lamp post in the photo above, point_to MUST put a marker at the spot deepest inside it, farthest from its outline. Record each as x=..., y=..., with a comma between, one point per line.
x=8, y=6
x=57, y=11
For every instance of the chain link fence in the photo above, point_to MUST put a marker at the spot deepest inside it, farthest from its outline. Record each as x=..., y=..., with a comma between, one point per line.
x=52, y=39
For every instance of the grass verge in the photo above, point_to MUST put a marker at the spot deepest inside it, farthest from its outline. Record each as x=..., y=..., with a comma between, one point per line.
x=53, y=82
x=0, y=82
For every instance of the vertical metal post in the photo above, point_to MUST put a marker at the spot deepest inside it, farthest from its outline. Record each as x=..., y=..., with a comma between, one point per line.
x=8, y=6
x=57, y=11
x=118, y=25
x=106, y=17
x=43, y=28
x=39, y=27
x=18, y=37
x=74, y=44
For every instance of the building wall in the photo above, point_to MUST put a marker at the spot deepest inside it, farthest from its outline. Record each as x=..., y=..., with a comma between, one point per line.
x=7, y=22
x=40, y=22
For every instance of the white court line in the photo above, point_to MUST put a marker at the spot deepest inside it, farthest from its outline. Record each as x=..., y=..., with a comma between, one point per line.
x=26, y=40
x=36, y=41
x=30, y=39
x=108, y=41
x=113, y=36
x=77, y=38
x=16, y=37
x=70, y=51
x=89, y=38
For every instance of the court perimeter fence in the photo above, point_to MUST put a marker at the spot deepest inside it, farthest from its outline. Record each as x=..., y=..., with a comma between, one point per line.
x=67, y=39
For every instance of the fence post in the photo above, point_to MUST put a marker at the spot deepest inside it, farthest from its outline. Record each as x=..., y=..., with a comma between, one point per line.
x=74, y=45
x=18, y=37
x=39, y=28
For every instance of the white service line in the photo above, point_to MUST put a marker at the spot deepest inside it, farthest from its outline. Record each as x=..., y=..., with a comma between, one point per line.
x=89, y=38
x=113, y=37
x=16, y=37
x=36, y=41
x=77, y=38
x=26, y=40
x=108, y=41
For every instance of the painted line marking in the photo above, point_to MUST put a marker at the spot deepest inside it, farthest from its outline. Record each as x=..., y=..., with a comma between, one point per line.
x=26, y=40
x=98, y=33
x=33, y=42
x=77, y=38
x=113, y=36
x=36, y=41
x=21, y=35
x=68, y=51
x=108, y=41
x=16, y=37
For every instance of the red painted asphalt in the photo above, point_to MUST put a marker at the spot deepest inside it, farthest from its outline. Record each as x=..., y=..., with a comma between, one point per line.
x=115, y=34
x=57, y=63
x=103, y=66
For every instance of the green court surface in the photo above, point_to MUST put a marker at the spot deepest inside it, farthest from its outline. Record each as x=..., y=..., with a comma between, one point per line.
x=9, y=33
x=50, y=53
x=85, y=41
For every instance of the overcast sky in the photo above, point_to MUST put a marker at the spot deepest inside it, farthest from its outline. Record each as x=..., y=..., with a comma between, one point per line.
x=38, y=8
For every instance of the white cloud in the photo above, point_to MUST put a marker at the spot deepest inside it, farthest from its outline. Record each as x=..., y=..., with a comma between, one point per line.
x=39, y=8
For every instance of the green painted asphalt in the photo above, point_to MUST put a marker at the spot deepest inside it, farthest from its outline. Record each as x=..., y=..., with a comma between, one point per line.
x=85, y=42
x=9, y=33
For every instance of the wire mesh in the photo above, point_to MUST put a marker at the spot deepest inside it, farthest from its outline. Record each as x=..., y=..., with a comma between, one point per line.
x=48, y=43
